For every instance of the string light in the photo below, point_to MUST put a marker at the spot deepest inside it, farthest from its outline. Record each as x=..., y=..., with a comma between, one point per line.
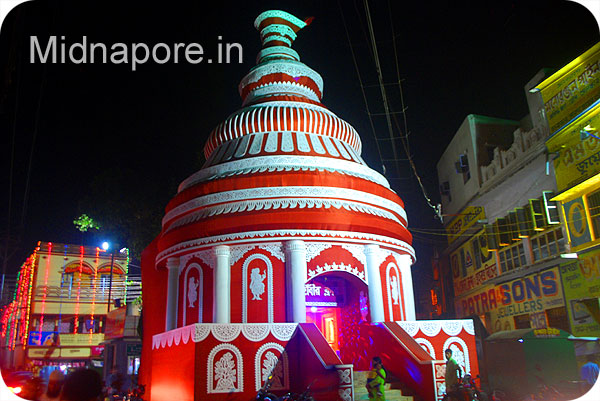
x=76, y=325
x=94, y=282
x=45, y=291
x=31, y=271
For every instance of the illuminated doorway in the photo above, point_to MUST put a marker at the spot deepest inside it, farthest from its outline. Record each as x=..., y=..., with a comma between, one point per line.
x=336, y=302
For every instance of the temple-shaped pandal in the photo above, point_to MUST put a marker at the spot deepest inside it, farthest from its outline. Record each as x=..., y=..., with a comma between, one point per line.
x=286, y=255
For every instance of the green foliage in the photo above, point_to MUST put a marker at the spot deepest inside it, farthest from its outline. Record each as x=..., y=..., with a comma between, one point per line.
x=85, y=222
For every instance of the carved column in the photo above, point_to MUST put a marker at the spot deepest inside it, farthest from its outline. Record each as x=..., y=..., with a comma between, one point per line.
x=296, y=272
x=172, y=293
x=404, y=263
x=222, y=293
x=374, y=279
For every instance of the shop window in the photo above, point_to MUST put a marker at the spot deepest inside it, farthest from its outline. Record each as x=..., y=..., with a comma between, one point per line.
x=550, y=243
x=557, y=318
x=67, y=284
x=522, y=321
x=512, y=257
x=593, y=201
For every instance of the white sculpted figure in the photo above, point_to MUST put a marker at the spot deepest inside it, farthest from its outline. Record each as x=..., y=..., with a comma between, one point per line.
x=395, y=290
x=192, y=294
x=256, y=283
x=225, y=372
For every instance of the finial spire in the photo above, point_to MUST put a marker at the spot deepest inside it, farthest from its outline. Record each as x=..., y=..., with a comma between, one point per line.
x=278, y=31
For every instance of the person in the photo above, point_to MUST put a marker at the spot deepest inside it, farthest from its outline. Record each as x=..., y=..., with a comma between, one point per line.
x=376, y=380
x=453, y=373
x=82, y=385
x=117, y=382
x=589, y=371
x=55, y=383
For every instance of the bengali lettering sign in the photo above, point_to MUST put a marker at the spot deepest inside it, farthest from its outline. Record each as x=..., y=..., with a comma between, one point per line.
x=581, y=285
x=472, y=264
x=567, y=93
x=579, y=160
x=461, y=223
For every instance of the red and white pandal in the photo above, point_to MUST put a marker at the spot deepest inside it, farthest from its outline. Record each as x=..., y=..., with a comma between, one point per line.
x=284, y=247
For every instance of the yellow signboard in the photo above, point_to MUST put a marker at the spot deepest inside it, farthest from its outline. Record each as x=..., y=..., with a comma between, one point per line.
x=472, y=264
x=85, y=339
x=43, y=352
x=572, y=89
x=462, y=222
x=75, y=352
x=578, y=155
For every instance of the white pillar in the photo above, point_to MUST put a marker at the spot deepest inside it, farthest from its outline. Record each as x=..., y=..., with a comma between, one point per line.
x=405, y=262
x=222, y=292
x=172, y=291
x=296, y=273
x=374, y=279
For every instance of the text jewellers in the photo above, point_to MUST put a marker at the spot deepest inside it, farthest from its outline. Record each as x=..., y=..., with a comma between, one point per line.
x=58, y=51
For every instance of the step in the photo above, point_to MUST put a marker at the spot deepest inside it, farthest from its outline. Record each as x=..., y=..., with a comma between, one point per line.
x=361, y=393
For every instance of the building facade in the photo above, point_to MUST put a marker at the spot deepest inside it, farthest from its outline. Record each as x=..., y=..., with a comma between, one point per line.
x=570, y=100
x=504, y=234
x=58, y=314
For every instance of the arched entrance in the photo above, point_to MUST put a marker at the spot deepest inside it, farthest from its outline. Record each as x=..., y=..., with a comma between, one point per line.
x=336, y=302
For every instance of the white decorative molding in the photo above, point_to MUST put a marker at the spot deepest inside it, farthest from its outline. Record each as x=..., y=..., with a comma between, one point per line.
x=345, y=393
x=275, y=249
x=225, y=332
x=261, y=373
x=357, y=251
x=460, y=356
x=284, y=235
x=313, y=249
x=411, y=328
x=206, y=256
x=427, y=346
x=261, y=164
x=430, y=328
x=283, y=331
x=452, y=327
x=201, y=331
x=290, y=67
x=255, y=331
x=283, y=203
x=318, y=270
x=269, y=277
x=469, y=326
x=238, y=252
x=228, y=370
x=277, y=192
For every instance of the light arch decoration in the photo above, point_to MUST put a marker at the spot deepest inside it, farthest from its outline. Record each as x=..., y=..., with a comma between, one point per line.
x=260, y=370
x=200, y=289
x=230, y=379
x=269, y=278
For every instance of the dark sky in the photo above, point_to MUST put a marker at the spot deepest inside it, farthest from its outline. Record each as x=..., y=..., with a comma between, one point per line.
x=80, y=121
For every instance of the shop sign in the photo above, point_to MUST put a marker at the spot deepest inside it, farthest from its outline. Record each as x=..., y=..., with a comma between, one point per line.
x=547, y=332
x=472, y=264
x=97, y=350
x=478, y=303
x=578, y=161
x=318, y=294
x=81, y=339
x=581, y=283
x=572, y=92
x=43, y=338
x=75, y=352
x=469, y=216
x=134, y=349
x=43, y=352
x=579, y=230
x=538, y=320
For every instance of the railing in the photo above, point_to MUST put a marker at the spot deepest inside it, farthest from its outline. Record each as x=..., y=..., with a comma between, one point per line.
x=84, y=294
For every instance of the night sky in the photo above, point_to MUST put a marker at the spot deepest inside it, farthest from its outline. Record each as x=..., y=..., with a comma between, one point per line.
x=65, y=125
